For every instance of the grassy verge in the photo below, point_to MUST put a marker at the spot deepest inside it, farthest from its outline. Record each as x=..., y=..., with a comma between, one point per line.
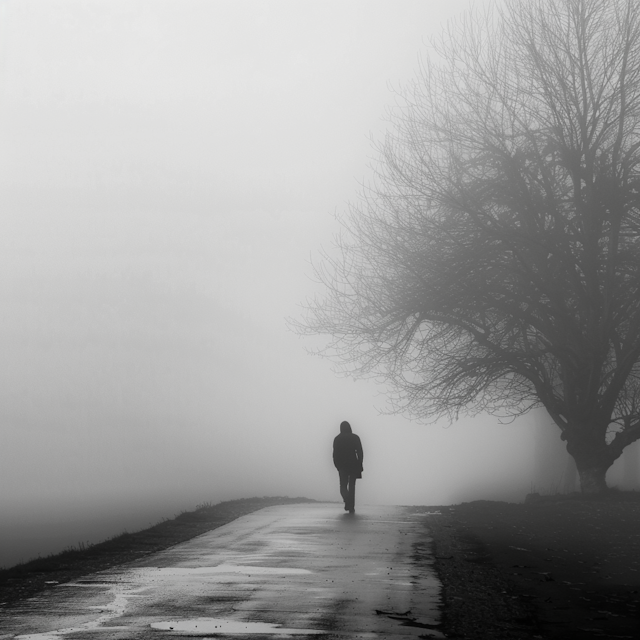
x=556, y=567
x=29, y=578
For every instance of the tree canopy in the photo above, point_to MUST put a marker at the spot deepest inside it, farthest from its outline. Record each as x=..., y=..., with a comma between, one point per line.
x=493, y=264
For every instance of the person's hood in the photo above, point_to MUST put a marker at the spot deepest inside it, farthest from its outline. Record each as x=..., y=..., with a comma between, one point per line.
x=345, y=427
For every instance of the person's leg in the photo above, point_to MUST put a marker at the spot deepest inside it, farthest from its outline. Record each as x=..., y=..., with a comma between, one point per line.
x=352, y=493
x=344, y=492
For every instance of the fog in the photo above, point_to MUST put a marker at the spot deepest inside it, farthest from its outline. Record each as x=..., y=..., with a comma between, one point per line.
x=167, y=171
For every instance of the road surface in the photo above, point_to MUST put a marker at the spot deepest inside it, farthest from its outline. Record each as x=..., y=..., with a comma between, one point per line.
x=285, y=571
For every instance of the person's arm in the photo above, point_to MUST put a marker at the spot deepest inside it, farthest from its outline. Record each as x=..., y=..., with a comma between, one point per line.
x=360, y=453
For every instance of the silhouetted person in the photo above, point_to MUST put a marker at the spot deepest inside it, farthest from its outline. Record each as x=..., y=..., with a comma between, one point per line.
x=348, y=457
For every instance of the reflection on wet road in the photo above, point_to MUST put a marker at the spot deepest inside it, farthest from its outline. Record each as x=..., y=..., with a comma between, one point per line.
x=295, y=570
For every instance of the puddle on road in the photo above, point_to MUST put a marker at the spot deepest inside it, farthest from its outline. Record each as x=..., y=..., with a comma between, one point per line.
x=114, y=609
x=232, y=568
x=207, y=626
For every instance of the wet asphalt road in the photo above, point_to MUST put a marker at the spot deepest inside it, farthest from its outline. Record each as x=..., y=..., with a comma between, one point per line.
x=286, y=571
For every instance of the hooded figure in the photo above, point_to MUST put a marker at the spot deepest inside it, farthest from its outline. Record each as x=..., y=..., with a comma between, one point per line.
x=348, y=458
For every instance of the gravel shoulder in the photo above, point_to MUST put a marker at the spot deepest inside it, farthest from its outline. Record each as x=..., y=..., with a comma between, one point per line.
x=552, y=568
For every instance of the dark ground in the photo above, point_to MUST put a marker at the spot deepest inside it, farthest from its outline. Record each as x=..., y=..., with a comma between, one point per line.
x=555, y=568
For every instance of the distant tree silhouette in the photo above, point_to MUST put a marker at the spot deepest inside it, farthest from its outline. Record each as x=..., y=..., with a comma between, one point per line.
x=493, y=265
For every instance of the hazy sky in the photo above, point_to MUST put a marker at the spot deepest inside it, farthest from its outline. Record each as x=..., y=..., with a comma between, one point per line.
x=167, y=170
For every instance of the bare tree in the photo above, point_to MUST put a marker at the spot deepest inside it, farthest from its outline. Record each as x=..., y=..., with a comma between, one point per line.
x=494, y=263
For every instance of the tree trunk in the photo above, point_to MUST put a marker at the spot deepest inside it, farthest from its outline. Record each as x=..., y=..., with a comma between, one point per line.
x=592, y=479
x=593, y=459
x=570, y=476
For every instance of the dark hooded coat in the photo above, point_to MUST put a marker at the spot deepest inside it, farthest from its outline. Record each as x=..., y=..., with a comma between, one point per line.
x=347, y=451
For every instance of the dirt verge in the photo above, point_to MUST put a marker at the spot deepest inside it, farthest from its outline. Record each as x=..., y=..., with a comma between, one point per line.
x=553, y=568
